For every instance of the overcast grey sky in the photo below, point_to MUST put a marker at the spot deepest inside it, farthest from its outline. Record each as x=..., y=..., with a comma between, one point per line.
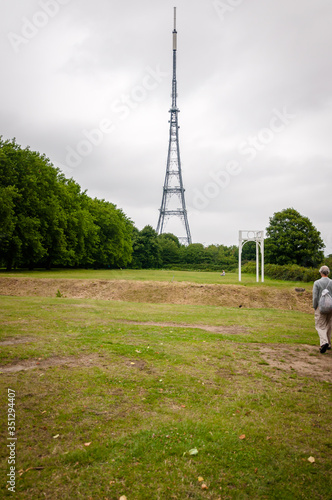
x=88, y=83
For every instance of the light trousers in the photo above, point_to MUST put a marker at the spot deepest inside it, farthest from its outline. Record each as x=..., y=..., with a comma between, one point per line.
x=323, y=325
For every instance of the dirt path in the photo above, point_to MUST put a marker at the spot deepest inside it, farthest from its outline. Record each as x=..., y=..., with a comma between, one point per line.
x=226, y=330
x=302, y=359
x=161, y=292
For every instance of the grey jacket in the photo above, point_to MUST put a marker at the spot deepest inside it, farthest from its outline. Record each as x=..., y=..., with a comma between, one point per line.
x=319, y=286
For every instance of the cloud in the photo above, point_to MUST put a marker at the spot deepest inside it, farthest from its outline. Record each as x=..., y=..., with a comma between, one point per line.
x=81, y=68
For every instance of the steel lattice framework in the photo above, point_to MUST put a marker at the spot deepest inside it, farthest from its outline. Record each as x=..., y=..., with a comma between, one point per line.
x=173, y=186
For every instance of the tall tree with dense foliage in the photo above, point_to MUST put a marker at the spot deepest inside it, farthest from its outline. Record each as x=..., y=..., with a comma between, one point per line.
x=249, y=251
x=146, y=249
x=45, y=219
x=169, y=248
x=293, y=239
x=114, y=247
x=29, y=180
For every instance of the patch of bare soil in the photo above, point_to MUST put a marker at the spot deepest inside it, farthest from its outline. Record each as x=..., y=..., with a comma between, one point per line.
x=136, y=363
x=160, y=292
x=226, y=330
x=30, y=364
x=303, y=359
x=15, y=340
x=68, y=361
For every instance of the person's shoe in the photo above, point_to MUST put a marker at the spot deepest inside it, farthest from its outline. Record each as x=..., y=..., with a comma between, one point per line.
x=323, y=348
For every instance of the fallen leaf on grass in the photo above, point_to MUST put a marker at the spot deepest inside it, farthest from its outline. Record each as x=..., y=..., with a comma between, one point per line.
x=193, y=451
x=311, y=460
x=87, y=444
x=123, y=497
x=204, y=487
x=200, y=479
x=55, y=437
x=243, y=436
x=268, y=437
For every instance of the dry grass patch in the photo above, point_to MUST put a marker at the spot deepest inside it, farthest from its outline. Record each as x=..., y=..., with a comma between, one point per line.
x=160, y=292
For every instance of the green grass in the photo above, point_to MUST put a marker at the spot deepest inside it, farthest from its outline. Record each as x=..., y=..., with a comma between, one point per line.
x=144, y=395
x=156, y=275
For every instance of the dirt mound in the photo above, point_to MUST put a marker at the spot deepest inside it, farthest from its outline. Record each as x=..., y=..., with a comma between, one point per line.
x=161, y=292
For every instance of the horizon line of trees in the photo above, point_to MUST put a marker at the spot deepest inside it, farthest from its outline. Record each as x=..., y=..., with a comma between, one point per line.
x=46, y=220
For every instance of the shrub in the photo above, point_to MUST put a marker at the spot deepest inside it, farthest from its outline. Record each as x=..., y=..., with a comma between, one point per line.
x=289, y=272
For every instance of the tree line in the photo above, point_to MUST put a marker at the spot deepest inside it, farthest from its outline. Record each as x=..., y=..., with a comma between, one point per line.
x=151, y=250
x=291, y=240
x=46, y=220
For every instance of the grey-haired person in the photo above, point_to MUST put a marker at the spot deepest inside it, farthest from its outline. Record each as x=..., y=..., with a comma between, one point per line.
x=323, y=322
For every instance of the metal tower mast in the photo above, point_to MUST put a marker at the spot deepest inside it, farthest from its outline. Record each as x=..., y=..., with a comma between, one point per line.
x=173, y=189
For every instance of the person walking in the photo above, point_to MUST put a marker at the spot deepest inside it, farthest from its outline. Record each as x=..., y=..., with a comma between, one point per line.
x=323, y=321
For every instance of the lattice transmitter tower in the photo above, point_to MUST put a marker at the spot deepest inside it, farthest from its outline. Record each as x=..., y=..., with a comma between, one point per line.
x=173, y=190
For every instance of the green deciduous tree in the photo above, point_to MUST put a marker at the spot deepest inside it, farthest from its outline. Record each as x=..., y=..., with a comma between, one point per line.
x=9, y=243
x=45, y=219
x=248, y=251
x=33, y=179
x=114, y=247
x=194, y=254
x=169, y=248
x=293, y=239
x=146, y=249
x=228, y=257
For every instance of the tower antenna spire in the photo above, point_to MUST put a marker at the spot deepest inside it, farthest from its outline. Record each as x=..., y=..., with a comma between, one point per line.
x=174, y=32
x=173, y=190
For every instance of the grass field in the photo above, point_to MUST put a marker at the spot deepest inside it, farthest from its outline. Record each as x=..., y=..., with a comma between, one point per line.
x=155, y=275
x=145, y=401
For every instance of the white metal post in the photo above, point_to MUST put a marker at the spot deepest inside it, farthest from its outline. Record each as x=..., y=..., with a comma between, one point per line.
x=262, y=252
x=257, y=262
x=258, y=237
x=240, y=252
